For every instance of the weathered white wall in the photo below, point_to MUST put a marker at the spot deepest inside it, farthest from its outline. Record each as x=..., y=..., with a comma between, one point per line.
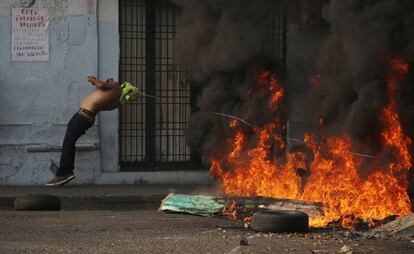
x=38, y=98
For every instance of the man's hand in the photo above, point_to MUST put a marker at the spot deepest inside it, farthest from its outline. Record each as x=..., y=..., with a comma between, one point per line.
x=92, y=80
x=108, y=85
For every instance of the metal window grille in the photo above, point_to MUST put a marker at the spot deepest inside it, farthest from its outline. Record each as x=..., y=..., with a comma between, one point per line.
x=173, y=110
x=275, y=43
x=152, y=131
x=133, y=69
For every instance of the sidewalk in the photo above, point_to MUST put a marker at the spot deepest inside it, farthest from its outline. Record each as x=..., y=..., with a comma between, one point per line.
x=101, y=197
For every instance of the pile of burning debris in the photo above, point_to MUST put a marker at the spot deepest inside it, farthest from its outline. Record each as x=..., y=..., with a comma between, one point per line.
x=263, y=167
x=241, y=210
x=352, y=172
x=330, y=189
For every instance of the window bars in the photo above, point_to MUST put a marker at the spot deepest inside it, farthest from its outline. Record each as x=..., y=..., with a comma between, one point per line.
x=152, y=130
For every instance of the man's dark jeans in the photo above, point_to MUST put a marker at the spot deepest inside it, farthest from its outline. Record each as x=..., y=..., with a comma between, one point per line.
x=76, y=127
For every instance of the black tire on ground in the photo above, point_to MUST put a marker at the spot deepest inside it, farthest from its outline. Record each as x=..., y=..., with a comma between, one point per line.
x=280, y=221
x=37, y=202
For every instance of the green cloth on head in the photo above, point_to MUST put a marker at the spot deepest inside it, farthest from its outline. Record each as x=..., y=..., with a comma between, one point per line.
x=128, y=92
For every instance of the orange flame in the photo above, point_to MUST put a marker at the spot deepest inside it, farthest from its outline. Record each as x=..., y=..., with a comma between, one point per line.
x=231, y=211
x=254, y=170
x=269, y=81
x=247, y=219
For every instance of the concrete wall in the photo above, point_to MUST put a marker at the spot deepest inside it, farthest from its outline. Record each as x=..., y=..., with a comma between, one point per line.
x=38, y=98
x=109, y=50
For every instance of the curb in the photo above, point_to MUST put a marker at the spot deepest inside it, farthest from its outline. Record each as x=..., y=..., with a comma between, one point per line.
x=6, y=203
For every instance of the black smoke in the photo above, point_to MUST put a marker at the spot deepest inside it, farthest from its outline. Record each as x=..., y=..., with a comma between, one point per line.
x=222, y=43
x=354, y=63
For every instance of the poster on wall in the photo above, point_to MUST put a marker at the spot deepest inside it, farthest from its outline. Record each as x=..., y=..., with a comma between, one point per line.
x=30, y=34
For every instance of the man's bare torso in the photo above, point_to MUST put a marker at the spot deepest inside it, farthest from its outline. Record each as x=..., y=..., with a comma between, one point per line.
x=105, y=97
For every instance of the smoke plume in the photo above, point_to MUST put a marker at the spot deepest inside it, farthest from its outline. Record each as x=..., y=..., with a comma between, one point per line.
x=222, y=43
x=354, y=63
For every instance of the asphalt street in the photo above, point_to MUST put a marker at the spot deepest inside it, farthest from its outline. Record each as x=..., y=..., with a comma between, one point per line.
x=151, y=231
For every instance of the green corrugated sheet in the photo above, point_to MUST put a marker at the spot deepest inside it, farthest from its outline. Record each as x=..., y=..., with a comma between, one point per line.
x=192, y=204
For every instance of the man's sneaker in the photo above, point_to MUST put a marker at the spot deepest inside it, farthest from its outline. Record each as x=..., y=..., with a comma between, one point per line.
x=60, y=180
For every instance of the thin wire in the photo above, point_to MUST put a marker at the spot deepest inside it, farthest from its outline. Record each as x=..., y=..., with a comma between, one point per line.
x=148, y=95
x=363, y=155
x=234, y=117
x=357, y=154
x=296, y=140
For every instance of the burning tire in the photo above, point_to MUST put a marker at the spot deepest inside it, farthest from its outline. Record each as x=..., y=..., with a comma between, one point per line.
x=280, y=221
x=37, y=202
